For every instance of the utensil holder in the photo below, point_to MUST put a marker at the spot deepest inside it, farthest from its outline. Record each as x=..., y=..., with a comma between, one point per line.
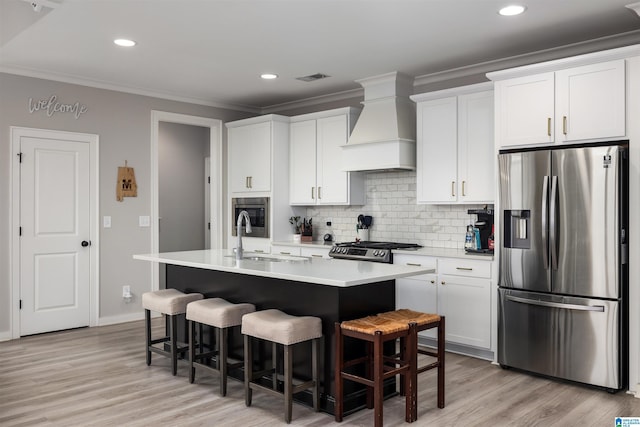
x=363, y=234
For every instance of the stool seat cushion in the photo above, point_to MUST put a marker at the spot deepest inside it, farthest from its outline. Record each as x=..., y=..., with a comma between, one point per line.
x=410, y=316
x=372, y=324
x=218, y=312
x=276, y=326
x=168, y=301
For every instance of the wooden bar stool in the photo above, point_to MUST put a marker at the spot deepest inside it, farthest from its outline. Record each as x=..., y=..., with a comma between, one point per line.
x=171, y=303
x=221, y=315
x=375, y=331
x=281, y=328
x=423, y=322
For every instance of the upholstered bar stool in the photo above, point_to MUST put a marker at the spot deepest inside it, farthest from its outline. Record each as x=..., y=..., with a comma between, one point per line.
x=423, y=321
x=375, y=331
x=221, y=315
x=281, y=328
x=171, y=303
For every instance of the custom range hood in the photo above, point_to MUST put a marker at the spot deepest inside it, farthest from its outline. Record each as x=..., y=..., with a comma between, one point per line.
x=384, y=137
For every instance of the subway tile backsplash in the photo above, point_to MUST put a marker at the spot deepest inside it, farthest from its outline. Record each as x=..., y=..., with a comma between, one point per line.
x=391, y=201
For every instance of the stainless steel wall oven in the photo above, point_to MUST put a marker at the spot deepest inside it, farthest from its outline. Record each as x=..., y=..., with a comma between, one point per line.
x=258, y=210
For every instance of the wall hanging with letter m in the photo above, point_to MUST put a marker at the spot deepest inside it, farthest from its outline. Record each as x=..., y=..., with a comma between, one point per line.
x=126, y=186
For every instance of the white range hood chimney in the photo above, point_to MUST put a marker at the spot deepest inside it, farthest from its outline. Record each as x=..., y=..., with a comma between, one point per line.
x=384, y=137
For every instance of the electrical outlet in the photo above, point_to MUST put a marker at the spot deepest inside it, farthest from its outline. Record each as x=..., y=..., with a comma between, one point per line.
x=126, y=291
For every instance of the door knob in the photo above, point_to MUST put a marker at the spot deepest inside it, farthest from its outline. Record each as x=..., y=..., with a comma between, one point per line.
x=85, y=243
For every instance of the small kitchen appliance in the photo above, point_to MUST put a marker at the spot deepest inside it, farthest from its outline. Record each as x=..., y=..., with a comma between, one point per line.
x=484, y=224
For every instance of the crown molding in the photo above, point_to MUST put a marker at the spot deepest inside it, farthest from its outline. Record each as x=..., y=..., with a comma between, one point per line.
x=63, y=78
x=316, y=100
x=588, y=46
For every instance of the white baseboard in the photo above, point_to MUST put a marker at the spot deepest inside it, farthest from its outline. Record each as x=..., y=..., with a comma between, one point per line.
x=122, y=318
x=5, y=336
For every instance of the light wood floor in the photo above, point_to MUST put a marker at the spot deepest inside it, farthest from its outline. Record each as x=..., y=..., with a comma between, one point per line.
x=98, y=377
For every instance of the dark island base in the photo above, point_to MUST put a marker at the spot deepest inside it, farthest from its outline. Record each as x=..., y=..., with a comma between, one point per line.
x=330, y=303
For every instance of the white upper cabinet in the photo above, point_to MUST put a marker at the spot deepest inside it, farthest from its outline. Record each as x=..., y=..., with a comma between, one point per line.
x=590, y=102
x=315, y=160
x=579, y=103
x=455, y=147
x=250, y=158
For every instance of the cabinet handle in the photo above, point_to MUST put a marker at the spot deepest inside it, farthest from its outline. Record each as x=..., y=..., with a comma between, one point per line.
x=313, y=194
x=414, y=264
x=260, y=251
x=549, y=126
x=432, y=281
x=317, y=255
x=443, y=283
x=319, y=193
x=246, y=182
x=250, y=182
x=453, y=187
x=464, y=268
x=564, y=124
x=463, y=182
x=285, y=253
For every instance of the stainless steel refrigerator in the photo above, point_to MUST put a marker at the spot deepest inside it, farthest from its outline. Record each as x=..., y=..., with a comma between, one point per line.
x=563, y=263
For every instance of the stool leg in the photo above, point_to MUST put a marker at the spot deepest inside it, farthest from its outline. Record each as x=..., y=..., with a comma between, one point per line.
x=378, y=371
x=274, y=366
x=403, y=355
x=441, y=363
x=192, y=348
x=147, y=329
x=248, y=372
x=411, y=391
x=174, y=345
x=222, y=359
x=368, y=373
x=288, y=383
x=200, y=338
x=316, y=373
x=339, y=362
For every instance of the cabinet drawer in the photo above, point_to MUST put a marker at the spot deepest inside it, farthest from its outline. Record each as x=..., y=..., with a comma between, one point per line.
x=285, y=250
x=418, y=260
x=462, y=267
x=315, y=252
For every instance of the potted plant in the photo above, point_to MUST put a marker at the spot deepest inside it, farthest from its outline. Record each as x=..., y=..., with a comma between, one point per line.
x=297, y=227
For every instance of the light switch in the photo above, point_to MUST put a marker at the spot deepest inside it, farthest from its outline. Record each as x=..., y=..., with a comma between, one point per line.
x=144, y=221
x=106, y=222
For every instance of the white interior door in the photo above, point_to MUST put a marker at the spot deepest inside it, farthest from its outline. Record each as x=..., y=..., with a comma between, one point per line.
x=55, y=245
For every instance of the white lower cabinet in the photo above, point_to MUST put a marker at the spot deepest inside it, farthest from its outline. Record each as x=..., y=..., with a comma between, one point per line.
x=460, y=291
x=419, y=293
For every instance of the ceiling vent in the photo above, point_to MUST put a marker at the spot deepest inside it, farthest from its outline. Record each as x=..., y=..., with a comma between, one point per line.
x=313, y=77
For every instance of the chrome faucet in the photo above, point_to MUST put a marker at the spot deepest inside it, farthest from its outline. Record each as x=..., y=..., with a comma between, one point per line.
x=243, y=215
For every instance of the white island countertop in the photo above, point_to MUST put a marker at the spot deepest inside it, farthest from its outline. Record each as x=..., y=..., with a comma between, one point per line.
x=331, y=272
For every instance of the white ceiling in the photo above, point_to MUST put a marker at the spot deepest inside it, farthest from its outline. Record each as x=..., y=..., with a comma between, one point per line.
x=213, y=51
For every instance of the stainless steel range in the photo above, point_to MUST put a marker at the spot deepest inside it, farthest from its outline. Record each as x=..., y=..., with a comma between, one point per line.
x=369, y=251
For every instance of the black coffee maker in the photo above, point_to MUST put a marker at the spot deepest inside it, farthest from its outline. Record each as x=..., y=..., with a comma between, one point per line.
x=484, y=224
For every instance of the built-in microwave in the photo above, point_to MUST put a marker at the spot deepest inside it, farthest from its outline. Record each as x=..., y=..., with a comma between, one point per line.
x=258, y=210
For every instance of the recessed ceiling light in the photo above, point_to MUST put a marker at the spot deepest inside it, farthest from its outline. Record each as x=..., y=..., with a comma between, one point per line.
x=269, y=76
x=512, y=10
x=124, y=42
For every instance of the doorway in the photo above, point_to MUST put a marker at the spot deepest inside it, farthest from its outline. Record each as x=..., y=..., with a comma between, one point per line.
x=213, y=127
x=54, y=245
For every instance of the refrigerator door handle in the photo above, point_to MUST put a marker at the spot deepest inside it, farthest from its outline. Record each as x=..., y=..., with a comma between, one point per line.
x=599, y=308
x=545, y=208
x=553, y=223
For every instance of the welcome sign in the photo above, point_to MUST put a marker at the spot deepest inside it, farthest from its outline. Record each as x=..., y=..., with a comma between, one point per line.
x=52, y=106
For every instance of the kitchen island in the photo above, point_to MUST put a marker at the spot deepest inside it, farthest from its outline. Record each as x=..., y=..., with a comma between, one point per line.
x=331, y=289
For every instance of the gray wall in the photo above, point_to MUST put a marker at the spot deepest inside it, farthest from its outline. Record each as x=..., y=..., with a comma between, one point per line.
x=123, y=122
x=181, y=153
